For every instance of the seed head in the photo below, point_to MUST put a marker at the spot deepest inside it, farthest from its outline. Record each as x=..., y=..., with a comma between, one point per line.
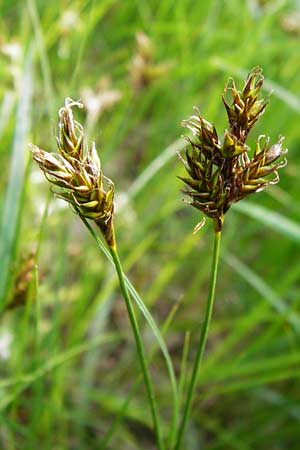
x=222, y=172
x=246, y=107
x=76, y=174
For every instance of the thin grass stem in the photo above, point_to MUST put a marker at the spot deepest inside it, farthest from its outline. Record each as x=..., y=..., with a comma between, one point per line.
x=118, y=419
x=148, y=318
x=202, y=341
x=139, y=346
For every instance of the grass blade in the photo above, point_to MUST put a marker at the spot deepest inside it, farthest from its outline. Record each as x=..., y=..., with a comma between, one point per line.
x=13, y=197
x=147, y=315
x=22, y=382
x=265, y=290
x=275, y=220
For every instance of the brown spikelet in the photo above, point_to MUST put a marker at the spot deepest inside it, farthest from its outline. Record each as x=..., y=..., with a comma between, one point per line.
x=76, y=173
x=246, y=107
x=222, y=172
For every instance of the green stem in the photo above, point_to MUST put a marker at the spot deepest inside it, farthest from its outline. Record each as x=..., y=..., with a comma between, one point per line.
x=202, y=342
x=139, y=346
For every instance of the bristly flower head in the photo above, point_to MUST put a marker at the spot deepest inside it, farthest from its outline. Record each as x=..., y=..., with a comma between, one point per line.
x=222, y=172
x=76, y=174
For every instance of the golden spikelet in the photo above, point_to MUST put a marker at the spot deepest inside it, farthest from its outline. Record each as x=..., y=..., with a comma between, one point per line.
x=76, y=174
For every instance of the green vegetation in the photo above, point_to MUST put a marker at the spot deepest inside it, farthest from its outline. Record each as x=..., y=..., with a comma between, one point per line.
x=70, y=376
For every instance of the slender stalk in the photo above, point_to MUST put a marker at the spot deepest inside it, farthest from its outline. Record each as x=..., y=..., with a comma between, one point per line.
x=139, y=346
x=202, y=341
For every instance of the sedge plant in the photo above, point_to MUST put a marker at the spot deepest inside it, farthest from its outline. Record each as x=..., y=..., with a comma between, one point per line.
x=221, y=172
x=76, y=177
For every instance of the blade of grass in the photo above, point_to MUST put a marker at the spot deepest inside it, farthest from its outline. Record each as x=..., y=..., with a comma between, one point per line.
x=183, y=380
x=268, y=217
x=265, y=290
x=270, y=364
x=253, y=381
x=40, y=44
x=147, y=315
x=139, y=347
x=13, y=196
x=23, y=381
x=125, y=405
x=6, y=109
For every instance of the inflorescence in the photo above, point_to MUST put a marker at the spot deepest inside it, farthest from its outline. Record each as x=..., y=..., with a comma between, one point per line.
x=222, y=172
x=75, y=172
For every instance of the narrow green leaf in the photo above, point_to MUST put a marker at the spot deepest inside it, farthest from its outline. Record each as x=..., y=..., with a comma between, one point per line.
x=146, y=313
x=13, y=196
x=23, y=381
x=6, y=109
x=265, y=290
x=275, y=220
x=41, y=47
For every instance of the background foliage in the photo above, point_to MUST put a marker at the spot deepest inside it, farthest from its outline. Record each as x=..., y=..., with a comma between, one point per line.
x=67, y=356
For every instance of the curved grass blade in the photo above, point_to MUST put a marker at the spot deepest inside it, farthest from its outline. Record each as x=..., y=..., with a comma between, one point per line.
x=22, y=382
x=265, y=290
x=254, y=381
x=275, y=220
x=124, y=408
x=13, y=197
x=147, y=315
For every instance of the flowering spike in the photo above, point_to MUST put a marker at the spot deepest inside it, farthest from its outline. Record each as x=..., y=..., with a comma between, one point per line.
x=76, y=173
x=246, y=108
x=221, y=173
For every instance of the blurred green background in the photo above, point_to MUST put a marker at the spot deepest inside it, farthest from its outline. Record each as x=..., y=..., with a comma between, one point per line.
x=67, y=357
